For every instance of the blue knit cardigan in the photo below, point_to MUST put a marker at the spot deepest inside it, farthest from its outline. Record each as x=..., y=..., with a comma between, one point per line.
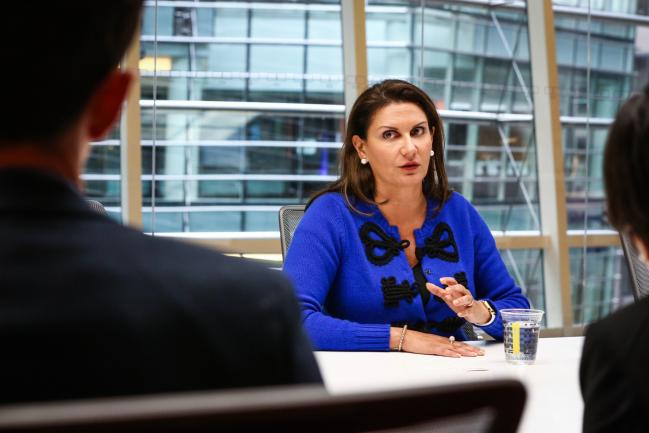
x=353, y=279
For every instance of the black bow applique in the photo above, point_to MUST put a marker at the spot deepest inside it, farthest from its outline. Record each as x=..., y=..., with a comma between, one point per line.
x=461, y=278
x=436, y=246
x=391, y=246
x=393, y=292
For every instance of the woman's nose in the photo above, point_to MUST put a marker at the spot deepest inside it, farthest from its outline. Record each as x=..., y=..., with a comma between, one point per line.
x=408, y=148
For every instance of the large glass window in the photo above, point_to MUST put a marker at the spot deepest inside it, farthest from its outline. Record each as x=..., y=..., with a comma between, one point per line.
x=469, y=60
x=601, y=62
x=101, y=174
x=242, y=111
x=474, y=63
x=221, y=150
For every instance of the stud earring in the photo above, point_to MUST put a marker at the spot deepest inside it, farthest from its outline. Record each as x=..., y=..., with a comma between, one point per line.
x=363, y=161
x=432, y=153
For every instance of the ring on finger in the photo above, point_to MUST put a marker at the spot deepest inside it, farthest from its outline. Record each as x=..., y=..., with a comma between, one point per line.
x=451, y=339
x=470, y=304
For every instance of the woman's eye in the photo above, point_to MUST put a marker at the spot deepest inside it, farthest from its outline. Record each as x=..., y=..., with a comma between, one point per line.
x=418, y=131
x=389, y=134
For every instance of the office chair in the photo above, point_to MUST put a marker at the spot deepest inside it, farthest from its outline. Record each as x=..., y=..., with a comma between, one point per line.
x=487, y=407
x=289, y=218
x=638, y=270
x=97, y=207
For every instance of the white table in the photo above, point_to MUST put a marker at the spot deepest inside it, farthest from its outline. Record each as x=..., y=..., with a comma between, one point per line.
x=554, y=401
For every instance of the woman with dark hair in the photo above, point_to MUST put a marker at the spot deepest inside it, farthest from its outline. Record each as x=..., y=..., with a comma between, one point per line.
x=387, y=257
x=614, y=376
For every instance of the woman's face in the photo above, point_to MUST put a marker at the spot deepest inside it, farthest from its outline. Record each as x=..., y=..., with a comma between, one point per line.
x=398, y=145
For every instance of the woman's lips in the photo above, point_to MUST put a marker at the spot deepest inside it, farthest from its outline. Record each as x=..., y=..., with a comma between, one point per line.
x=410, y=167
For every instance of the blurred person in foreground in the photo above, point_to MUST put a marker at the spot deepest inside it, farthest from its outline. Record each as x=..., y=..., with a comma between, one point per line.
x=388, y=257
x=89, y=308
x=614, y=375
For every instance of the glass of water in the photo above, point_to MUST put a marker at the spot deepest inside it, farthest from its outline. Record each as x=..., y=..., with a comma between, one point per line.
x=522, y=328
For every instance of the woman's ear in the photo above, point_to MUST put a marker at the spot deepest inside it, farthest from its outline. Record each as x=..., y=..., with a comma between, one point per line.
x=359, y=145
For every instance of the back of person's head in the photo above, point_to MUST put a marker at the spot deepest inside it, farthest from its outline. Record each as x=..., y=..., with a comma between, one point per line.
x=626, y=167
x=55, y=55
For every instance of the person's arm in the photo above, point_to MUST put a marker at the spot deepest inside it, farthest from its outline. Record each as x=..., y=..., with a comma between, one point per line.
x=312, y=263
x=301, y=363
x=493, y=282
x=430, y=344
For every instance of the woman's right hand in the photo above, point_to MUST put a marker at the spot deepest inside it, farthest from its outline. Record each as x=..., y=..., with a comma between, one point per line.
x=431, y=344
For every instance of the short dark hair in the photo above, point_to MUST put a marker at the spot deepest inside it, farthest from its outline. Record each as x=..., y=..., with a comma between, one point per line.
x=356, y=180
x=55, y=54
x=626, y=167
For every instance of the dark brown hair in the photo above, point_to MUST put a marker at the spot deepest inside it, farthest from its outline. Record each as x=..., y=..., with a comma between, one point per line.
x=356, y=181
x=55, y=55
x=626, y=167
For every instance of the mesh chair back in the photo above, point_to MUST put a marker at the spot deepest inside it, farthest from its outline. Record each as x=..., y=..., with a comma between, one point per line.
x=97, y=207
x=289, y=218
x=485, y=407
x=638, y=270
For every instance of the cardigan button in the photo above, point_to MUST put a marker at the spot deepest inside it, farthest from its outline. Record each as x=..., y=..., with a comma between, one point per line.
x=427, y=271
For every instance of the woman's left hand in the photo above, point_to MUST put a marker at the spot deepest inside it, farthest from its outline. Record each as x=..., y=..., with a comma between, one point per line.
x=460, y=300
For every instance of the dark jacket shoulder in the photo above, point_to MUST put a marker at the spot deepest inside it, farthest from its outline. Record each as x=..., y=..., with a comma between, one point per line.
x=613, y=374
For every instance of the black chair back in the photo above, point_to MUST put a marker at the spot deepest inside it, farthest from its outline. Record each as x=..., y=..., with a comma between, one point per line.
x=484, y=407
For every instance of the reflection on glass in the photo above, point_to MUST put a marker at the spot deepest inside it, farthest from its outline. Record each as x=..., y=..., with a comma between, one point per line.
x=594, y=80
x=229, y=169
x=277, y=23
x=468, y=60
x=618, y=66
x=607, y=284
x=101, y=174
x=526, y=267
x=617, y=6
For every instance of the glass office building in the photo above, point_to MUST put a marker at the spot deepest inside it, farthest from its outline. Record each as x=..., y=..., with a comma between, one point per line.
x=243, y=108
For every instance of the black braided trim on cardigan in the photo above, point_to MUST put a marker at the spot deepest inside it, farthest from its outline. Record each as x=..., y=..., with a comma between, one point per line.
x=393, y=292
x=436, y=246
x=385, y=242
